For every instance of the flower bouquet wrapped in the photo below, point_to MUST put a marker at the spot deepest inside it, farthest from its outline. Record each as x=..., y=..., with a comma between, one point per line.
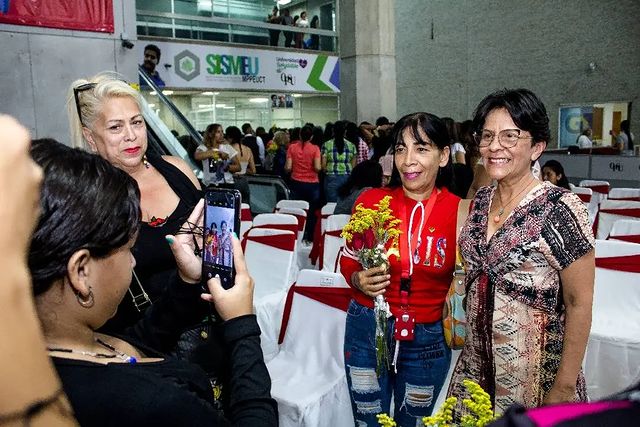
x=373, y=238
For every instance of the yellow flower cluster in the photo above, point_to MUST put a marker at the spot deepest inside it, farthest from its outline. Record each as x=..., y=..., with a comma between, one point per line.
x=380, y=220
x=385, y=420
x=479, y=404
x=444, y=416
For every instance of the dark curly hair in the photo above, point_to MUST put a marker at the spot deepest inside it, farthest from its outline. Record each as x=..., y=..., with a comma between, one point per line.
x=86, y=204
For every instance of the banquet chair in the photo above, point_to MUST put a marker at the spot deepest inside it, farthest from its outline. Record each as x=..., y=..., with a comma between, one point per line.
x=278, y=221
x=301, y=216
x=332, y=241
x=613, y=210
x=308, y=375
x=586, y=195
x=269, y=254
x=632, y=194
x=627, y=230
x=318, y=233
x=612, y=359
x=600, y=189
x=298, y=204
x=246, y=220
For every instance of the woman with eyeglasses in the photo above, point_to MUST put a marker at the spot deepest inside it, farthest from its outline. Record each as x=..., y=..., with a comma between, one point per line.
x=105, y=117
x=529, y=252
x=81, y=263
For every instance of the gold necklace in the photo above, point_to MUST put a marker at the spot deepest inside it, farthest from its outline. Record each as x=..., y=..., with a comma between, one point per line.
x=497, y=218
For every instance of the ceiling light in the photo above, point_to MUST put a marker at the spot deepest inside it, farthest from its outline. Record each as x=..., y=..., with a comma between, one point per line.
x=204, y=105
x=258, y=100
x=153, y=92
x=167, y=92
x=283, y=2
x=221, y=105
x=208, y=93
x=152, y=105
x=296, y=95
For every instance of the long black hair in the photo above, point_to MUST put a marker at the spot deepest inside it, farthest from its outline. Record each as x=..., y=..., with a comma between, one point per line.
x=557, y=168
x=338, y=136
x=421, y=124
x=86, y=204
x=365, y=174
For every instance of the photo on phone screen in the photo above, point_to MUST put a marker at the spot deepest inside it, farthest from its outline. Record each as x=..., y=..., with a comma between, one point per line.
x=221, y=219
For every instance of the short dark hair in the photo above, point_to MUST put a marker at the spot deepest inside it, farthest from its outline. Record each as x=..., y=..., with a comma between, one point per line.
x=246, y=127
x=381, y=121
x=233, y=134
x=435, y=129
x=86, y=202
x=367, y=173
x=306, y=133
x=154, y=48
x=524, y=107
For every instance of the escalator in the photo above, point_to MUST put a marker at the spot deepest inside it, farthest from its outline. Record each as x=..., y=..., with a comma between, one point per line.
x=265, y=190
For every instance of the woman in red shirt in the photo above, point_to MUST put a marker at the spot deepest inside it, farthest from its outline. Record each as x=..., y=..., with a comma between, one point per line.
x=303, y=161
x=427, y=254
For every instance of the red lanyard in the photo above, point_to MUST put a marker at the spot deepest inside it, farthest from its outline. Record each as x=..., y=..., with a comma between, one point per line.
x=405, y=279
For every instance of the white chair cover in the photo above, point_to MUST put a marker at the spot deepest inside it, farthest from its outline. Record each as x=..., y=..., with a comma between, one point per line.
x=298, y=204
x=586, y=195
x=612, y=360
x=307, y=375
x=325, y=212
x=624, y=193
x=302, y=257
x=598, y=196
x=607, y=219
x=269, y=267
x=333, y=244
x=625, y=227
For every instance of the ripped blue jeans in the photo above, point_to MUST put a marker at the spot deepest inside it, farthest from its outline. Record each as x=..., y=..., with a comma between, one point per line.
x=422, y=367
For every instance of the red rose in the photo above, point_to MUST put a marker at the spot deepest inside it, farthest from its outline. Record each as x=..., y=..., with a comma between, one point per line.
x=357, y=242
x=369, y=239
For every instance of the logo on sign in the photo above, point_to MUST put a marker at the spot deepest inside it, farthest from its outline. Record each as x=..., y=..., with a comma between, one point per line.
x=187, y=65
x=233, y=65
x=303, y=63
x=288, y=79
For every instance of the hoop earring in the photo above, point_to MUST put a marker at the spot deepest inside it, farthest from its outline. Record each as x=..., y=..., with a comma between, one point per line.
x=87, y=302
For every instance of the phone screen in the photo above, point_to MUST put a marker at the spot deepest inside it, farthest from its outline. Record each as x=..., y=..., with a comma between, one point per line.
x=221, y=219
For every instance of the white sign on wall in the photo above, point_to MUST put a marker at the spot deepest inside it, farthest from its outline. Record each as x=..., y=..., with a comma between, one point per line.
x=615, y=167
x=220, y=67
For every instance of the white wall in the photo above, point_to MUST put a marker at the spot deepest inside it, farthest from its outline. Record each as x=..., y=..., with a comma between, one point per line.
x=39, y=65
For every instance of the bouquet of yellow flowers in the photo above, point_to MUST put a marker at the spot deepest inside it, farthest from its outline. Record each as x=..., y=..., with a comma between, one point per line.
x=272, y=147
x=373, y=238
x=479, y=405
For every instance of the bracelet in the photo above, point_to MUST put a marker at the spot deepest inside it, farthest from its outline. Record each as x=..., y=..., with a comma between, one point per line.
x=32, y=409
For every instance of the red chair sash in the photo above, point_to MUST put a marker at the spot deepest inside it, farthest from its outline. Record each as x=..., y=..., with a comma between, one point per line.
x=633, y=238
x=286, y=242
x=602, y=189
x=245, y=215
x=335, y=297
x=334, y=233
x=301, y=220
x=628, y=263
x=584, y=197
x=317, y=238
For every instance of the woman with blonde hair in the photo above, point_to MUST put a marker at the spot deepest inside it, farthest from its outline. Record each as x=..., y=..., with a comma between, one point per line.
x=105, y=117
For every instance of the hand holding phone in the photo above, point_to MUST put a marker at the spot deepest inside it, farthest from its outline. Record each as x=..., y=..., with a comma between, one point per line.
x=185, y=245
x=221, y=220
x=238, y=300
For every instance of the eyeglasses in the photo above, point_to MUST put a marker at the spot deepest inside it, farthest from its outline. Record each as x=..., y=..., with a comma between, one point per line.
x=76, y=91
x=507, y=137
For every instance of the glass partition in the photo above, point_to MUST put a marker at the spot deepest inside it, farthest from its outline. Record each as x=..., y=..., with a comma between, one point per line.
x=598, y=121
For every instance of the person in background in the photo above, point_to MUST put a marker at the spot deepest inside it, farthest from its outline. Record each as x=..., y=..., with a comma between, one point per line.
x=274, y=18
x=421, y=154
x=303, y=161
x=314, y=39
x=286, y=19
x=81, y=262
x=553, y=172
x=31, y=393
x=338, y=158
x=219, y=159
x=365, y=175
x=352, y=134
x=624, y=139
x=256, y=144
x=303, y=22
x=529, y=253
x=151, y=61
x=584, y=140
x=281, y=138
x=245, y=158
x=457, y=149
x=105, y=117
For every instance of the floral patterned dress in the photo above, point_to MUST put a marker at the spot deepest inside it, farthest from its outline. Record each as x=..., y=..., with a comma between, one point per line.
x=515, y=310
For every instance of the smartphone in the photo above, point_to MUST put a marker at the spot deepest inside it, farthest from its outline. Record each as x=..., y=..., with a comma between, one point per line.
x=221, y=218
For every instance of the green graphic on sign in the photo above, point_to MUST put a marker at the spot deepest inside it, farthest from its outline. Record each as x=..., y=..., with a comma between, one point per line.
x=187, y=65
x=314, y=75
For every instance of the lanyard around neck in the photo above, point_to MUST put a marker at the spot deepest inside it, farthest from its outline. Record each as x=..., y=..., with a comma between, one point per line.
x=405, y=248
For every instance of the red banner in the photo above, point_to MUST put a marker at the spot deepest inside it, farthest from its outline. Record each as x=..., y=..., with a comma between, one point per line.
x=86, y=15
